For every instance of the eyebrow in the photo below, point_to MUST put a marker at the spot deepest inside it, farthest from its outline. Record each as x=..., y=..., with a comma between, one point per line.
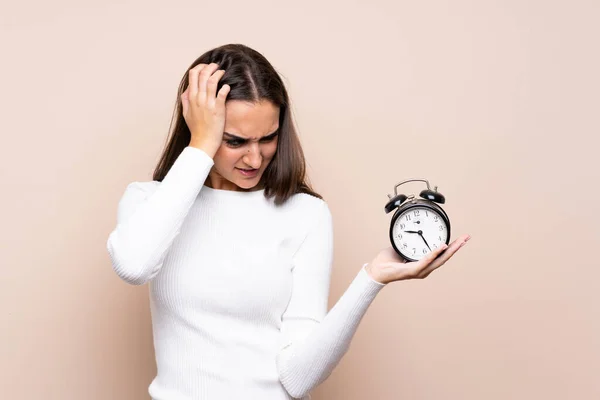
x=241, y=139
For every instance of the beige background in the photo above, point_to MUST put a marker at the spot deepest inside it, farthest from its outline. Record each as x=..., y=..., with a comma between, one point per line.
x=496, y=102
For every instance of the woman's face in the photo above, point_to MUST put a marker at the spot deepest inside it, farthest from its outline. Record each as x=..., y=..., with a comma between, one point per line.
x=249, y=143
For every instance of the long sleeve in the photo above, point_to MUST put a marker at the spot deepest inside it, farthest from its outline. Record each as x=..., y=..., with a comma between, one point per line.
x=314, y=341
x=150, y=215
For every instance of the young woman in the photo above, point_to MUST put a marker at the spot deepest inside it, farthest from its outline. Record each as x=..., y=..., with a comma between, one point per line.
x=237, y=247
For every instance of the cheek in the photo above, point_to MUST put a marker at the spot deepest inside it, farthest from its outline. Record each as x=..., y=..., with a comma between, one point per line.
x=226, y=156
x=269, y=150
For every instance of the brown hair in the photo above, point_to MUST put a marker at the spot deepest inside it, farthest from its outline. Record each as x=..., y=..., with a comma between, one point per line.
x=251, y=78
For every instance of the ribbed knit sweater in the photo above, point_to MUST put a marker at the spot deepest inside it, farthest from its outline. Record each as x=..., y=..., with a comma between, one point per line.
x=238, y=286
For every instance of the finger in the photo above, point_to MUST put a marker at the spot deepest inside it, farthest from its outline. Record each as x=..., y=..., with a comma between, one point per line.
x=193, y=81
x=203, y=80
x=222, y=96
x=212, y=85
x=452, y=249
x=423, y=263
x=434, y=265
x=185, y=102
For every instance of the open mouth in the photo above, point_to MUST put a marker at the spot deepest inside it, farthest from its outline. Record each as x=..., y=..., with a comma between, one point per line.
x=248, y=172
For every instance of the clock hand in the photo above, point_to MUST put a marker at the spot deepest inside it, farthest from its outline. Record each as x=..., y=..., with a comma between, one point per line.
x=423, y=237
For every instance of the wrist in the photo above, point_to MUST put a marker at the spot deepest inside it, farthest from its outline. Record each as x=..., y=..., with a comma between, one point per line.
x=373, y=274
x=208, y=148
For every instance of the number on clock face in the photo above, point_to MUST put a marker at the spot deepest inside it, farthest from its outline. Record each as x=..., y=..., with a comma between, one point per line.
x=434, y=232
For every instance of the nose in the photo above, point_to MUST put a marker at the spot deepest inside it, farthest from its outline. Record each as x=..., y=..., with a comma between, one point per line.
x=253, y=158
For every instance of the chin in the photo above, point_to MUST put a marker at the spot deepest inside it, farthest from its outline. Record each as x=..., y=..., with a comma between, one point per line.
x=248, y=183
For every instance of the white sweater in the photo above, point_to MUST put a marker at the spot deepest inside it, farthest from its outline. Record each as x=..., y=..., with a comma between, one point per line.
x=238, y=287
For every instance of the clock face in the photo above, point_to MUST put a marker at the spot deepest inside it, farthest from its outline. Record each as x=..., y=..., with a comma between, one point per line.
x=418, y=231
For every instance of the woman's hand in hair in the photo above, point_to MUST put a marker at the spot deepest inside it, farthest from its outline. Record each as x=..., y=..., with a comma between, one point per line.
x=203, y=108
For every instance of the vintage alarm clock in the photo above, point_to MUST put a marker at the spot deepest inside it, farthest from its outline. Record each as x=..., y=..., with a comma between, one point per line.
x=419, y=225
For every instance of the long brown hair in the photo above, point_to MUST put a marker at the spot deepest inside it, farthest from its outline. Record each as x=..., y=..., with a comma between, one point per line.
x=253, y=79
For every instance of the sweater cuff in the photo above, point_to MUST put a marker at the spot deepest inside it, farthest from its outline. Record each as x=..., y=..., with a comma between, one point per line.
x=366, y=287
x=364, y=272
x=198, y=155
x=191, y=164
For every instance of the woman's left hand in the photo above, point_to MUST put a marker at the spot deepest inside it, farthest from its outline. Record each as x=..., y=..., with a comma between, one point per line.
x=388, y=266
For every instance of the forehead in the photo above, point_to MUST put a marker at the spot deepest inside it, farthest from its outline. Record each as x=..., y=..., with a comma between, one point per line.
x=250, y=120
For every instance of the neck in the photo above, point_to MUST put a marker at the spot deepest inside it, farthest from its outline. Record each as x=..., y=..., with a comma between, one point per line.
x=227, y=185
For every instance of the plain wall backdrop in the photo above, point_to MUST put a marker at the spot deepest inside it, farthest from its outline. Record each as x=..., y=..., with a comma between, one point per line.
x=495, y=102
